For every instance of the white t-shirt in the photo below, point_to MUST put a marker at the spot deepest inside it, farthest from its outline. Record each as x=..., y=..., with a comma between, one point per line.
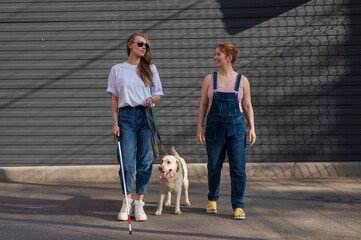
x=125, y=83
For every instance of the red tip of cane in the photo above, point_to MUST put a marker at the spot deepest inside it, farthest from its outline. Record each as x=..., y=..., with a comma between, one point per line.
x=130, y=226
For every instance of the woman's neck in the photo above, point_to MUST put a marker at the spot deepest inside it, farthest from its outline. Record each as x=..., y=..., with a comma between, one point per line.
x=226, y=71
x=133, y=60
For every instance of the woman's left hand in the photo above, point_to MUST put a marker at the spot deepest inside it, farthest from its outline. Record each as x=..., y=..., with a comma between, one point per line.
x=149, y=102
x=252, y=136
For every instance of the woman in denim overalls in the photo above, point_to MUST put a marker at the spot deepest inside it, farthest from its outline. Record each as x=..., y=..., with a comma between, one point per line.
x=226, y=95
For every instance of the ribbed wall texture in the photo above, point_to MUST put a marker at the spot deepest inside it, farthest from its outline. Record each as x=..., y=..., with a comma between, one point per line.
x=302, y=59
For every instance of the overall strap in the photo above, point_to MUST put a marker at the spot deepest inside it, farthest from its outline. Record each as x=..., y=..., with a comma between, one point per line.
x=214, y=80
x=238, y=81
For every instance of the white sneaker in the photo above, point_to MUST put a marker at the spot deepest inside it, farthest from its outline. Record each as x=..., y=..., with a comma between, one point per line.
x=139, y=213
x=123, y=214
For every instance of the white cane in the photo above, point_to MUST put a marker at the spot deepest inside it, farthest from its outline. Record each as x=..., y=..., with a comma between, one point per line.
x=125, y=187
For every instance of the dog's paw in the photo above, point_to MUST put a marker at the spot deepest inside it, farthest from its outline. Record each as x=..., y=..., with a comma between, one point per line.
x=187, y=204
x=178, y=212
x=167, y=204
x=158, y=213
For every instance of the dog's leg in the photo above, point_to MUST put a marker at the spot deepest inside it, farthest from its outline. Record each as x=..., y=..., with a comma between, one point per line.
x=169, y=197
x=160, y=203
x=177, y=201
x=185, y=191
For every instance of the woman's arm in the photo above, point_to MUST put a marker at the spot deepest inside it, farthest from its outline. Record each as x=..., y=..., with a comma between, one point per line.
x=152, y=100
x=248, y=109
x=203, y=107
x=114, y=108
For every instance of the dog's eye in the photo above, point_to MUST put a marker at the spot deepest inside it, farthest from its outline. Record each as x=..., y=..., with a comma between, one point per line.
x=168, y=162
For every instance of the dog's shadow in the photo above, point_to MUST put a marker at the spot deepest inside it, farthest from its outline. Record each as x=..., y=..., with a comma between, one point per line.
x=151, y=207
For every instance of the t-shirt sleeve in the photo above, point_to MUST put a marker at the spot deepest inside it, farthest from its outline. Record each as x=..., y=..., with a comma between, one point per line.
x=157, y=88
x=112, y=89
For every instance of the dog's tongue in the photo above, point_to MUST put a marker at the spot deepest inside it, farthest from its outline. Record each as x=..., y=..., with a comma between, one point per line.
x=163, y=174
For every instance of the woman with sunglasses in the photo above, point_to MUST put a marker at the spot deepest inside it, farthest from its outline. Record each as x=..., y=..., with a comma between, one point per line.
x=226, y=96
x=133, y=85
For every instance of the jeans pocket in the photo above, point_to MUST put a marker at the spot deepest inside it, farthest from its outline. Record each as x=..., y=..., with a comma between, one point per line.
x=240, y=130
x=123, y=112
x=211, y=133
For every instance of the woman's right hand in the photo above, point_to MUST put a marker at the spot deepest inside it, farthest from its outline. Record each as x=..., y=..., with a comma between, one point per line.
x=116, y=131
x=203, y=107
x=200, y=135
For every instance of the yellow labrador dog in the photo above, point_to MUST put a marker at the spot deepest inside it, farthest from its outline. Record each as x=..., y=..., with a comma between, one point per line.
x=172, y=178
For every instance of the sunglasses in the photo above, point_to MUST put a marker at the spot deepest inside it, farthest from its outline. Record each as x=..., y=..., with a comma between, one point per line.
x=141, y=44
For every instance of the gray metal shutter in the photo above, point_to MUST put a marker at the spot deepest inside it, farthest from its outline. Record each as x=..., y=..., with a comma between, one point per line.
x=301, y=58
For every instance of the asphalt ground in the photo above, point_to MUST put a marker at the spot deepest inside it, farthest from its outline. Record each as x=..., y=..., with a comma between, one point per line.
x=276, y=208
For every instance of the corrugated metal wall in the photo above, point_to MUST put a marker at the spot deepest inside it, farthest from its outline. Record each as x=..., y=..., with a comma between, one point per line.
x=302, y=59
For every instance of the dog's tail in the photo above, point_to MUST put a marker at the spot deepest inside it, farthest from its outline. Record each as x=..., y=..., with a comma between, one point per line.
x=174, y=152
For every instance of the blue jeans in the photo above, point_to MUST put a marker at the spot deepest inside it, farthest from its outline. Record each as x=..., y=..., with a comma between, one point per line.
x=137, y=153
x=230, y=137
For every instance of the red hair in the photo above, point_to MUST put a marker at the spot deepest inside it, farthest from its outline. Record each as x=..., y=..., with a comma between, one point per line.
x=229, y=50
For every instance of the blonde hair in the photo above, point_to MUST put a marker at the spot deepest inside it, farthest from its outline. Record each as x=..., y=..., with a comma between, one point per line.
x=143, y=69
x=229, y=50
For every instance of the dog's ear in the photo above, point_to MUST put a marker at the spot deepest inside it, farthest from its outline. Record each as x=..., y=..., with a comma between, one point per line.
x=178, y=165
x=174, y=152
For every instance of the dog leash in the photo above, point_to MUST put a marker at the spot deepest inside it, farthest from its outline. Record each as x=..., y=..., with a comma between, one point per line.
x=154, y=143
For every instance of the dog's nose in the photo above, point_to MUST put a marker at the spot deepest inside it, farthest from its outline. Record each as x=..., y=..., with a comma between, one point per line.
x=160, y=168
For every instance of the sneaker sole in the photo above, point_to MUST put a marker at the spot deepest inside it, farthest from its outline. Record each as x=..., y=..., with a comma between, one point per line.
x=122, y=219
x=212, y=212
x=141, y=220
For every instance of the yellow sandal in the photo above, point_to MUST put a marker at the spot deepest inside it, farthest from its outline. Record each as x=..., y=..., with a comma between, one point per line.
x=211, y=207
x=239, y=214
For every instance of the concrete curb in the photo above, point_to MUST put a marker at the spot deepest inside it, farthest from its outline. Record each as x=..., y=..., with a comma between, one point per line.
x=196, y=171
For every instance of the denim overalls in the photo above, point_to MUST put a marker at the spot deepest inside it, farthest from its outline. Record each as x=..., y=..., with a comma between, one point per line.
x=226, y=131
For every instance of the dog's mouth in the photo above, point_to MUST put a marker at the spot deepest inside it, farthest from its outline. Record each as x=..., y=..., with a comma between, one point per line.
x=163, y=174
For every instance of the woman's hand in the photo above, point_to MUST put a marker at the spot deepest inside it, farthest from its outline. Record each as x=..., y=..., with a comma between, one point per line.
x=203, y=107
x=149, y=101
x=114, y=108
x=200, y=135
x=116, y=130
x=252, y=136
